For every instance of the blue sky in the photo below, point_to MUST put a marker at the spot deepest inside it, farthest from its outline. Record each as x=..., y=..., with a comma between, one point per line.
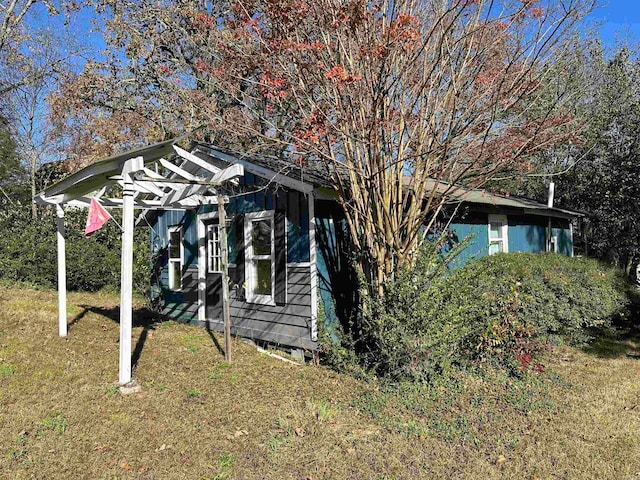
x=617, y=19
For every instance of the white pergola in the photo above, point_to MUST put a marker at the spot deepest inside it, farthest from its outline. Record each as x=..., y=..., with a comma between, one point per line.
x=190, y=182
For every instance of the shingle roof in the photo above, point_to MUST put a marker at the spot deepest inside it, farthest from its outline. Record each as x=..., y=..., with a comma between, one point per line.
x=482, y=197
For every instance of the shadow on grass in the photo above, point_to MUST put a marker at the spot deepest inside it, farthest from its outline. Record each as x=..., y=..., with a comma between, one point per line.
x=213, y=338
x=623, y=342
x=142, y=317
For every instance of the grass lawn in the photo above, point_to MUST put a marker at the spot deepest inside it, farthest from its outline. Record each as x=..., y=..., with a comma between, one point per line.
x=198, y=417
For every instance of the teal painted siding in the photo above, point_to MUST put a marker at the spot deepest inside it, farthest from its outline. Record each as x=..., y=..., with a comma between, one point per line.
x=474, y=231
x=297, y=225
x=565, y=245
x=337, y=281
x=527, y=233
x=325, y=298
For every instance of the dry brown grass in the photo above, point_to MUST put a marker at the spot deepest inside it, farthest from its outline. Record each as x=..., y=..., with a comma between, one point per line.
x=197, y=417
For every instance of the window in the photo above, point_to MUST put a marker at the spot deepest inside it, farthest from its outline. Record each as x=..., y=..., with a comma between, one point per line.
x=214, y=252
x=259, y=257
x=498, y=228
x=176, y=255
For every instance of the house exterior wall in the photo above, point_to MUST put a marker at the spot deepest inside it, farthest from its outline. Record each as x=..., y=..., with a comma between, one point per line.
x=287, y=323
x=526, y=233
x=337, y=279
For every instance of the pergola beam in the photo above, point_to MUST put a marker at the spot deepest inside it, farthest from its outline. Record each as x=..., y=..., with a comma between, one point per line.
x=84, y=202
x=179, y=171
x=196, y=160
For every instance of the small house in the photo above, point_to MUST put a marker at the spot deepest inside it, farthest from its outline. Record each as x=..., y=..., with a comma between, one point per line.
x=286, y=239
x=287, y=248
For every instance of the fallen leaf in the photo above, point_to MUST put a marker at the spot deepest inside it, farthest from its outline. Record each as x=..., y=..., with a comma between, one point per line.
x=299, y=431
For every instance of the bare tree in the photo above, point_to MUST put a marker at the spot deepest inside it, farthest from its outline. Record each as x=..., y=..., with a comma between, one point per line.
x=14, y=65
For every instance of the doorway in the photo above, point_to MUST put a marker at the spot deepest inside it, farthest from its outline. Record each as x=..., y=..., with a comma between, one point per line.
x=213, y=270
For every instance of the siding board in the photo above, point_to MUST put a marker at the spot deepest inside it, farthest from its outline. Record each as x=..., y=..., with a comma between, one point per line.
x=260, y=332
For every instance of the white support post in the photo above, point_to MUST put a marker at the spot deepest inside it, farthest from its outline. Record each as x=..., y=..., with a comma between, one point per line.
x=313, y=267
x=222, y=222
x=126, y=277
x=550, y=195
x=571, y=236
x=62, y=274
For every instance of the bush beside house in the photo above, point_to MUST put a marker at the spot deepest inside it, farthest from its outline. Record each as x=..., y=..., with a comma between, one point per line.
x=502, y=310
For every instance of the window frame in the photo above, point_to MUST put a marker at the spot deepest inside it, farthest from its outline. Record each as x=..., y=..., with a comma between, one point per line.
x=504, y=232
x=172, y=260
x=250, y=266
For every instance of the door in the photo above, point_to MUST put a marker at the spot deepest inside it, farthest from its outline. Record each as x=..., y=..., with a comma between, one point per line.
x=213, y=291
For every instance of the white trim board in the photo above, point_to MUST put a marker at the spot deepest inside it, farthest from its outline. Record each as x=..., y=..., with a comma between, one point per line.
x=250, y=276
x=202, y=262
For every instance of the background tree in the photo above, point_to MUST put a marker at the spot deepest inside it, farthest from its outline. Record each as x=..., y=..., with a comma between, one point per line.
x=15, y=68
x=11, y=172
x=28, y=106
x=604, y=182
x=389, y=97
x=598, y=175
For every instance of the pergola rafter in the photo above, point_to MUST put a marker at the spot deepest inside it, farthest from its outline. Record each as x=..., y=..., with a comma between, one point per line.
x=142, y=188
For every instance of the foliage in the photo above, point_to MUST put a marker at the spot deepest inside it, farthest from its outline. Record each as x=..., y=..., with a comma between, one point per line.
x=12, y=187
x=28, y=251
x=599, y=176
x=360, y=90
x=604, y=182
x=502, y=310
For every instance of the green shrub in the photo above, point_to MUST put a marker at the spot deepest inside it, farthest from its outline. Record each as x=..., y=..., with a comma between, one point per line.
x=28, y=251
x=502, y=309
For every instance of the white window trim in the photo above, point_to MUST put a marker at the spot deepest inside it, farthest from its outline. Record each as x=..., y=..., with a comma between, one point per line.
x=249, y=271
x=170, y=230
x=202, y=260
x=504, y=231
